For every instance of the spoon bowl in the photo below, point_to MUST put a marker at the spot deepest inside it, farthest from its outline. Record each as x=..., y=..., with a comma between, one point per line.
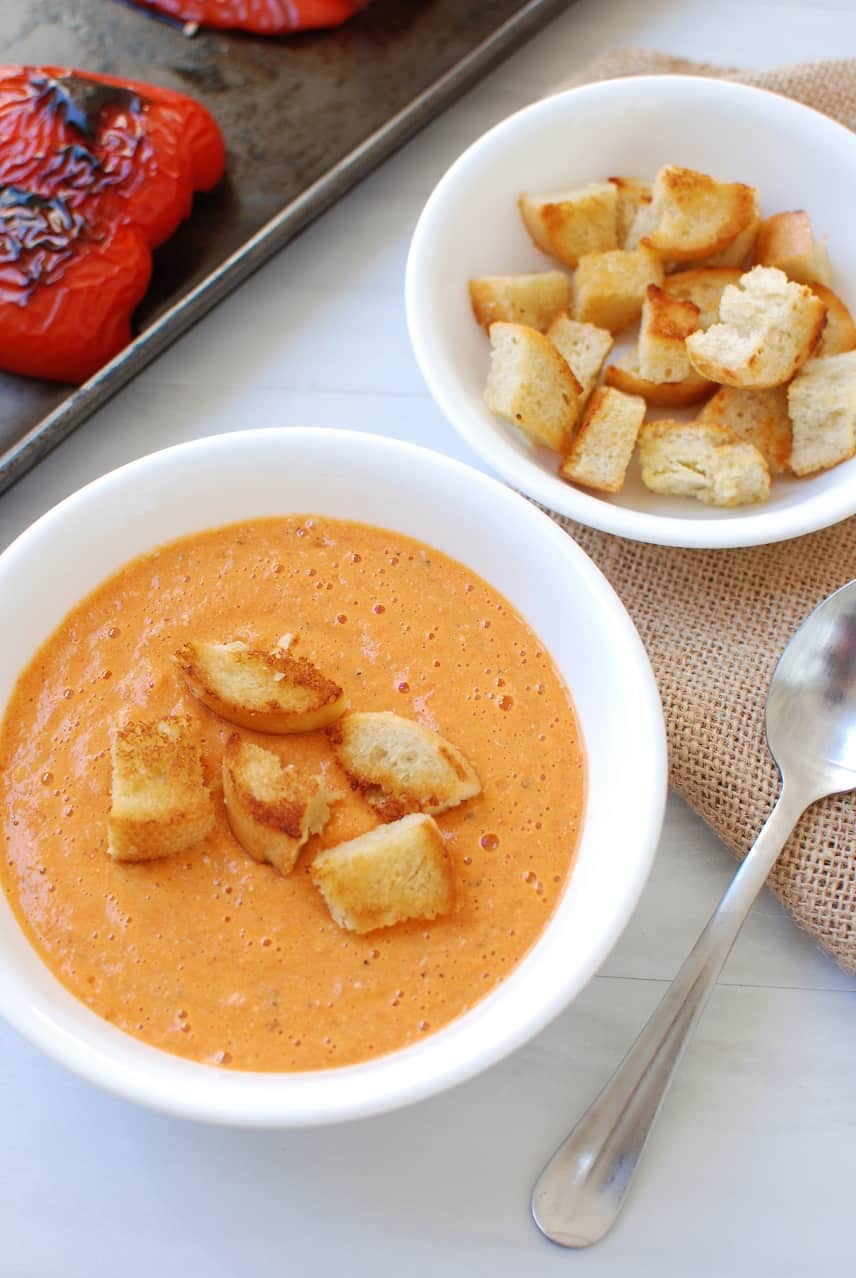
x=811, y=732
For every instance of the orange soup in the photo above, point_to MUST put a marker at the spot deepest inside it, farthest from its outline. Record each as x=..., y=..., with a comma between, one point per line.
x=210, y=954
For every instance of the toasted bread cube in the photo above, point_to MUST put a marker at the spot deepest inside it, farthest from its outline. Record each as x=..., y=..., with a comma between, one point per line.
x=695, y=216
x=268, y=691
x=396, y=872
x=400, y=766
x=785, y=240
x=160, y=803
x=625, y=376
x=768, y=328
x=531, y=386
x=604, y=443
x=633, y=194
x=609, y=288
x=740, y=252
x=520, y=299
x=758, y=417
x=644, y=221
x=272, y=810
x=839, y=333
x=704, y=286
x=583, y=347
x=570, y=223
x=692, y=459
x=666, y=323
x=822, y=407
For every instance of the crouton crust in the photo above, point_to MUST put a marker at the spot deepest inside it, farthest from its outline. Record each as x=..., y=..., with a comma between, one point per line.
x=267, y=691
x=625, y=376
x=272, y=810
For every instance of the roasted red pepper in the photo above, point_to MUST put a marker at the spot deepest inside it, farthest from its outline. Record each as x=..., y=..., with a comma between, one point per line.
x=264, y=17
x=94, y=173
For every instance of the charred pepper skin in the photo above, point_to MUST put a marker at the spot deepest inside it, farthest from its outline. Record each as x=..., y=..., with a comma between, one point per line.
x=262, y=17
x=95, y=172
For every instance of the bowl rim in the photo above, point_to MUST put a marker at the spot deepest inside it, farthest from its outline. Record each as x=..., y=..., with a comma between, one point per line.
x=75, y=1050
x=761, y=526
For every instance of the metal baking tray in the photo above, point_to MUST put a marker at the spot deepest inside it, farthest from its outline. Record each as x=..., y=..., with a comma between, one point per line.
x=304, y=117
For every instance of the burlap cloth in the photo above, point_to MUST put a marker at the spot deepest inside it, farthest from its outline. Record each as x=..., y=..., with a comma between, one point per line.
x=715, y=621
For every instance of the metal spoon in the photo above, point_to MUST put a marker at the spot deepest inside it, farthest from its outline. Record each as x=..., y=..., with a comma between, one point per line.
x=811, y=733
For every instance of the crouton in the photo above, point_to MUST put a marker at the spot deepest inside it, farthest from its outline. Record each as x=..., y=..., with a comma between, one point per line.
x=633, y=194
x=785, y=240
x=839, y=333
x=768, y=328
x=604, y=443
x=692, y=459
x=400, y=766
x=395, y=872
x=758, y=417
x=583, y=347
x=609, y=287
x=666, y=322
x=644, y=221
x=571, y=223
x=520, y=299
x=704, y=286
x=267, y=691
x=272, y=810
x=160, y=803
x=695, y=216
x=625, y=376
x=740, y=252
x=531, y=386
x=822, y=407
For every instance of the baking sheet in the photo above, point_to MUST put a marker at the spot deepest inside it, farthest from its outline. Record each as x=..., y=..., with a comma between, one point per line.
x=304, y=117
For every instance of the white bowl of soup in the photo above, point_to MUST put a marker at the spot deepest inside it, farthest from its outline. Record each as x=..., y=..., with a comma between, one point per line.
x=209, y=986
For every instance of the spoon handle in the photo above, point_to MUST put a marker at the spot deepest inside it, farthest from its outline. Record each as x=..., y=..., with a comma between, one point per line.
x=579, y=1194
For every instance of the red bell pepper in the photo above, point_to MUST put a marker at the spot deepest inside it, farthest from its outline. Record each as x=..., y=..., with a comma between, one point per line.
x=264, y=17
x=95, y=172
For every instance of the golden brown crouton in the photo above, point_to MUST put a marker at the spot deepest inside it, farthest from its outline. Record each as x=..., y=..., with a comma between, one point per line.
x=609, y=287
x=395, y=872
x=695, y=216
x=785, y=240
x=272, y=810
x=768, y=328
x=839, y=333
x=624, y=375
x=666, y=323
x=583, y=347
x=740, y=252
x=531, y=386
x=520, y=299
x=694, y=459
x=267, y=691
x=160, y=804
x=822, y=407
x=704, y=286
x=633, y=194
x=758, y=417
x=570, y=223
x=604, y=443
x=400, y=766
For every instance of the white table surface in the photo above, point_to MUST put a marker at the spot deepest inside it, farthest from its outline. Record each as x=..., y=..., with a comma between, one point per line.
x=752, y=1168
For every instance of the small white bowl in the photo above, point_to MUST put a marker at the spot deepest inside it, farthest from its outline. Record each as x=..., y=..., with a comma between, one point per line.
x=518, y=550
x=470, y=226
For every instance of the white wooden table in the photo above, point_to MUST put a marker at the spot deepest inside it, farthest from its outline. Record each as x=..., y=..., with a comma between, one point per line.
x=753, y=1165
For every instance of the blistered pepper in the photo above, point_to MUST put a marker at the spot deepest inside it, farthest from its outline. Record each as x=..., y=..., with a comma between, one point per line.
x=95, y=172
x=264, y=17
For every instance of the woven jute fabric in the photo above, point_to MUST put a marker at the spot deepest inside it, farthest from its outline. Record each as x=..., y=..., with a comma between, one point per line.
x=715, y=621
